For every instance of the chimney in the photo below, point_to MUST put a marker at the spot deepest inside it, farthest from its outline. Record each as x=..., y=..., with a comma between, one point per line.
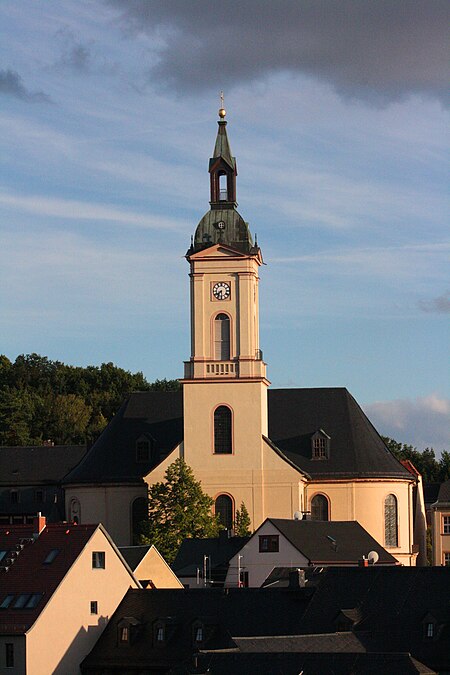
x=224, y=535
x=39, y=522
x=364, y=562
x=297, y=579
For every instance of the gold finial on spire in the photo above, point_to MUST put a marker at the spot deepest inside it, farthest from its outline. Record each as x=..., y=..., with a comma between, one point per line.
x=222, y=111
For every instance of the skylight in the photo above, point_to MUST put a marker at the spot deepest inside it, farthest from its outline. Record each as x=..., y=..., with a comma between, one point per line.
x=51, y=556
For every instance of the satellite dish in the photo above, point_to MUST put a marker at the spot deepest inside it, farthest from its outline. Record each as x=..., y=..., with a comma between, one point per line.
x=373, y=557
x=298, y=515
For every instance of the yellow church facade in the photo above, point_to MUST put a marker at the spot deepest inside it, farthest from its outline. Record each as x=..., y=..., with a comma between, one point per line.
x=304, y=453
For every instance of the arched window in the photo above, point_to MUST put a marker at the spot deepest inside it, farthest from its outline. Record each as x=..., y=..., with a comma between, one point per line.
x=390, y=521
x=319, y=508
x=222, y=431
x=224, y=509
x=222, y=337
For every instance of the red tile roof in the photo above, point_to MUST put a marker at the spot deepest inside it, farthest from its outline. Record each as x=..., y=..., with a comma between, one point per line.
x=29, y=574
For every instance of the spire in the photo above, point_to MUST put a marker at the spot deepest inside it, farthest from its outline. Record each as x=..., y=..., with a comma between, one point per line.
x=222, y=148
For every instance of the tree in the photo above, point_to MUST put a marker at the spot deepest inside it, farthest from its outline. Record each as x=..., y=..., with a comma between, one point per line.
x=177, y=509
x=242, y=522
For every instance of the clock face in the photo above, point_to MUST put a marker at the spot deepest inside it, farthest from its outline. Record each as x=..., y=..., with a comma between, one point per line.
x=221, y=290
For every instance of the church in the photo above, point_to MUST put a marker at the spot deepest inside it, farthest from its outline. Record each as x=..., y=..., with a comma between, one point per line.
x=284, y=453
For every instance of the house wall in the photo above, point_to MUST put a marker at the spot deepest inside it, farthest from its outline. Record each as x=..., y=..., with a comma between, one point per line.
x=19, y=654
x=260, y=565
x=154, y=567
x=110, y=505
x=441, y=541
x=363, y=501
x=66, y=630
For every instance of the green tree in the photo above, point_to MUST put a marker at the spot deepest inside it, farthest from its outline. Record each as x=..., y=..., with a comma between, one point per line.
x=242, y=522
x=425, y=462
x=177, y=509
x=68, y=418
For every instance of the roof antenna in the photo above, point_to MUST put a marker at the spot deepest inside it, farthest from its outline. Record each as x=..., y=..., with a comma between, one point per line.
x=222, y=111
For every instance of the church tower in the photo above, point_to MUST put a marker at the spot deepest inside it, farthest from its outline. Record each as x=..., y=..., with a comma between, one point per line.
x=225, y=384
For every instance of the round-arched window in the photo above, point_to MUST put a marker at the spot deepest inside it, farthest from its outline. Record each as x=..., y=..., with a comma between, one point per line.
x=222, y=337
x=222, y=431
x=224, y=509
x=390, y=521
x=319, y=508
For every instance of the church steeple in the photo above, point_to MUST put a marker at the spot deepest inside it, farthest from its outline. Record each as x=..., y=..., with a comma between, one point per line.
x=222, y=223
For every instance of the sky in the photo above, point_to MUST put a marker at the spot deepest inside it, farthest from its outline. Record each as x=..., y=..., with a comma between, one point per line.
x=338, y=117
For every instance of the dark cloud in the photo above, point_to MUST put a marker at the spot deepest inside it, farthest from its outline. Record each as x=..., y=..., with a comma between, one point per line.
x=440, y=305
x=11, y=84
x=381, y=50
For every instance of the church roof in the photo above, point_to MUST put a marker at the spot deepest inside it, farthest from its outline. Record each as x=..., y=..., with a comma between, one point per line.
x=222, y=147
x=356, y=450
x=233, y=230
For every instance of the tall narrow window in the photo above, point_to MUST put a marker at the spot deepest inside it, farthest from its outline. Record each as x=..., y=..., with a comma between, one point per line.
x=222, y=431
x=319, y=508
x=223, y=187
x=9, y=655
x=224, y=509
x=222, y=337
x=390, y=521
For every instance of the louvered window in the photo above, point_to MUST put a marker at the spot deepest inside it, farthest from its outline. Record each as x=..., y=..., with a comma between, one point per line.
x=222, y=430
x=390, y=521
x=222, y=337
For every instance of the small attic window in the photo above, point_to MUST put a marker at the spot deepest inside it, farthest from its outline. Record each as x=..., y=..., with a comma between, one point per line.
x=144, y=448
x=51, y=556
x=320, y=445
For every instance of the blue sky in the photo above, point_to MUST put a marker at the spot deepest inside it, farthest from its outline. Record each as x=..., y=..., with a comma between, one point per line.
x=338, y=118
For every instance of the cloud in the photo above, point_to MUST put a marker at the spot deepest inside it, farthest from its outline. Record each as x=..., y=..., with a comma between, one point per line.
x=78, y=210
x=422, y=422
x=440, y=305
x=81, y=57
x=379, y=51
x=11, y=84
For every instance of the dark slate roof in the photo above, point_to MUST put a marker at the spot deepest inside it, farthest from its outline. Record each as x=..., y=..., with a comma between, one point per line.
x=391, y=604
x=430, y=492
x=356, y=449
x=38, y=465
x=28, y=573
x=444, y=492
x=310, y=664
x=325, y=642
x=244, y=612
x=154, y=414
x=235, y=234
x=331, y=542
x=219, y=549
x=134, y=555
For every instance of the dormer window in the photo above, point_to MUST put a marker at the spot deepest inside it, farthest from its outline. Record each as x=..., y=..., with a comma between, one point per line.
x=124, y=634
x=128, y=629
x=144, y=446
x=320, y=445
x=429, y=630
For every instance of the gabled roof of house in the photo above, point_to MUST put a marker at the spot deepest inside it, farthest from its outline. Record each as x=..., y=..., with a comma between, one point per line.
x=38, y=465
x=331, y=542
x=356, y=449
x=134, y=555
x=29, y=574
x=220, y=550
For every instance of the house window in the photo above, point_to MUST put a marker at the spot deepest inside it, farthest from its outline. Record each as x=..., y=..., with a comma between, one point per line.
x=94, y=607
x=446, y=559
x=224, y=509
x=14, y=497
x=445, y=524
x=124, y=634
x=142, y=451
x=222, y=431
x=2, y=555
x=319, y=508
x=269, y=543
x=390, y=521
x=198, y=634
x=9, y=655
x=160, y=634
x=222, y=337
x=429, y=630
x=98, y=560
x=51, y=556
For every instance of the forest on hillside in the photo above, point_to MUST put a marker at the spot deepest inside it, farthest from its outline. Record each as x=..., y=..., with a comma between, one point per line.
x=44, y=401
